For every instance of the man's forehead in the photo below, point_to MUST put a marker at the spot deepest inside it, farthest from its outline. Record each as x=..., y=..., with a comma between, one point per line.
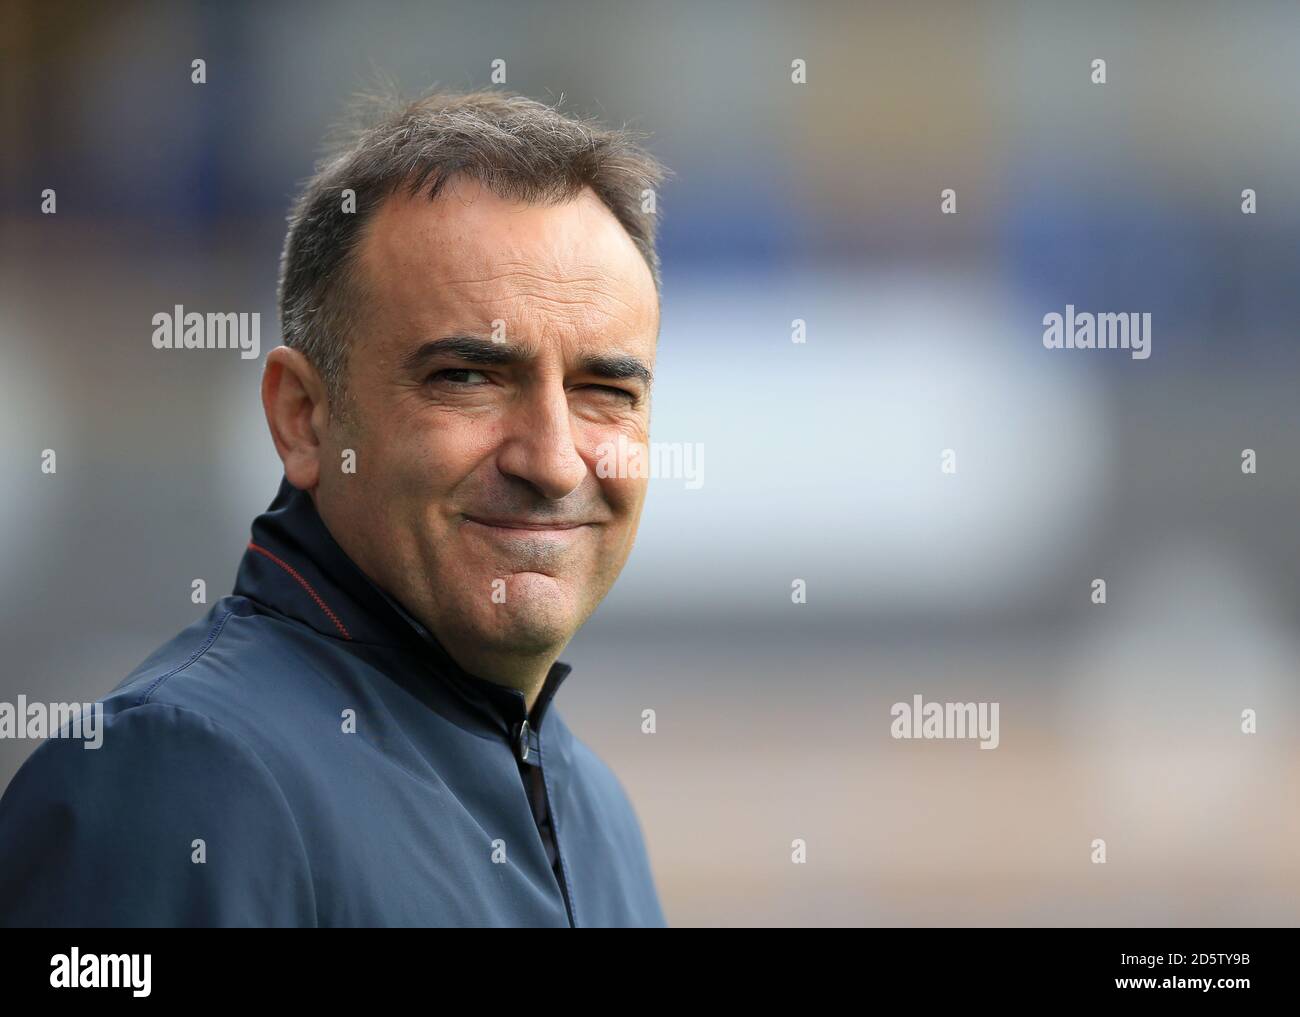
x=470, y=236
x=471, y=262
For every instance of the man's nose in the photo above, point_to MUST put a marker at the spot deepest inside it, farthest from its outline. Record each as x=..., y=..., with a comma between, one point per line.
x=539, y=445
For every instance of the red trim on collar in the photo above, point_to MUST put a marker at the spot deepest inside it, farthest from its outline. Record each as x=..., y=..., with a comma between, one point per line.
x=306, y=586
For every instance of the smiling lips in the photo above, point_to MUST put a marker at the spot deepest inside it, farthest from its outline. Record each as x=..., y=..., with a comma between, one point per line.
x=526, y=525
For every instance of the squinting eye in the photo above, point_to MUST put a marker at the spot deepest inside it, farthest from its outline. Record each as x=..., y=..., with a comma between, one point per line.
x=629, y=396
x=445, y=375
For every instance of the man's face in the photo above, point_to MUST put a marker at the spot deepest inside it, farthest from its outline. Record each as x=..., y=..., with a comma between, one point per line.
x=498, y=345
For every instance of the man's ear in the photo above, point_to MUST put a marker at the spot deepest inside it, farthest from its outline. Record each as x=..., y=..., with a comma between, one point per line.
x=297, y=411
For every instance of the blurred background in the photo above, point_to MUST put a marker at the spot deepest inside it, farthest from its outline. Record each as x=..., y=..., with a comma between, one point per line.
x=817, y=201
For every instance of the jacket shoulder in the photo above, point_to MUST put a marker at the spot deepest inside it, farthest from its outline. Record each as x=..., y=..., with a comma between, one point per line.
x=232, y=637
x=170, y=820
x=240, y=667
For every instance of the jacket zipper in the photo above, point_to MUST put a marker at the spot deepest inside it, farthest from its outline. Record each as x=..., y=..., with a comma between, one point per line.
x=521, y=741
x=555, y=839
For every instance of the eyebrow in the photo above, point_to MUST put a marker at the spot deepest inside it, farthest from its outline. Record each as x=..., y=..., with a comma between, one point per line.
x=488, y=352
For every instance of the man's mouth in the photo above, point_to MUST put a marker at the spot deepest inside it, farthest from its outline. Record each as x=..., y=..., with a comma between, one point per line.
x=534, y=525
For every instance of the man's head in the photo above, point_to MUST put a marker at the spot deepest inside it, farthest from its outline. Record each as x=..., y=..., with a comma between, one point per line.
x=470, y=336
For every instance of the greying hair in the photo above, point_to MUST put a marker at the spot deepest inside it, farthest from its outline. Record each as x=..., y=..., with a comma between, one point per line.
x=515, y=146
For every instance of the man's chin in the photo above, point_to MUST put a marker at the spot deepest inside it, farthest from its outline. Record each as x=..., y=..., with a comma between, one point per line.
x=529, y=627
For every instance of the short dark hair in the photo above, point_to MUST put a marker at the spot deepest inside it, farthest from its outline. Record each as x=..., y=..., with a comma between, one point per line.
x=515, y=146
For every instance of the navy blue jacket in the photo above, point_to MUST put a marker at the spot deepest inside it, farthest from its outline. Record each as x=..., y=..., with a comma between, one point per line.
x=338, y=768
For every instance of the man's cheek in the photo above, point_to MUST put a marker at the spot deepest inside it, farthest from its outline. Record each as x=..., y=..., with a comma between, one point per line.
x=626, y=505
x=443, y=457
x=423, y=468
x=626, y=495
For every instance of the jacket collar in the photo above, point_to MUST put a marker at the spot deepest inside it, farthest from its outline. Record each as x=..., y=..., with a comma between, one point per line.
x=294, y=566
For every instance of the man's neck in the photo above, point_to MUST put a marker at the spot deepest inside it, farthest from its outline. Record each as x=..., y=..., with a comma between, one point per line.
x=528, y=674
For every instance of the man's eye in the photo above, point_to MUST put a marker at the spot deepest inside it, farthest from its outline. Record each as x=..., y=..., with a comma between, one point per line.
x=456, y=375
x=629, y=396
